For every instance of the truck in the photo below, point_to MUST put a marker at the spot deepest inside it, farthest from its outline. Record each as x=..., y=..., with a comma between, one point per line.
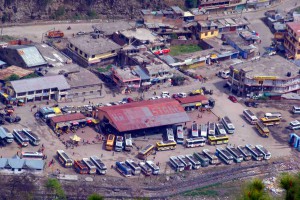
x=55, y=34
x=123, y=169
x=119, y=143
x=128, y=142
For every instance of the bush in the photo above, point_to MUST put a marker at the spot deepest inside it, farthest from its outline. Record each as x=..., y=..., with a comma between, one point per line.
x=92, y=14
x=13, y=77
x=95, y=197
x=177, y=80
x=54, y=184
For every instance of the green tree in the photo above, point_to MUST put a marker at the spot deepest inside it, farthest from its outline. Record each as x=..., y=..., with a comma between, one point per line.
x=255, y=190
x=291, y=184
x=177, y=80
x=54, y=185
x=95, y=197
x=13, y=77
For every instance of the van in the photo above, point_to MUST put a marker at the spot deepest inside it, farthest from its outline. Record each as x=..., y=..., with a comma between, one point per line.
x=296, y=110
x=165, y=94
x=182, y=95
x=225, y=74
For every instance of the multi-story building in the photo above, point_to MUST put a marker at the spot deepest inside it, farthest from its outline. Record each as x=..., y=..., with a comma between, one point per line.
x=126, y=78
x=269, y=75
x=217, y=5
x=292, y=40
x=208, y=29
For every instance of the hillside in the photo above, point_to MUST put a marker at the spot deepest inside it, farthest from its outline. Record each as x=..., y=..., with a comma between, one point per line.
x=27, y=10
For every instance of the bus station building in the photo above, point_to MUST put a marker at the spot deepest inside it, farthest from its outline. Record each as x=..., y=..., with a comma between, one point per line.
x=68, y=120
x=193, y=102
x=141, y=118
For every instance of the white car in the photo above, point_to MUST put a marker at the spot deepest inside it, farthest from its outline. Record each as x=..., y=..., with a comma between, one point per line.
x=182, y=95
x=166, y=96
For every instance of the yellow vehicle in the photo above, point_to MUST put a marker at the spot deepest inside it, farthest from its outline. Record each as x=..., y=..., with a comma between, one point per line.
x=218, y=139
x=110, y=142
x=197, y=92
x=262, y=129
x=145, y=152
x=166, y=145
x=270, y=121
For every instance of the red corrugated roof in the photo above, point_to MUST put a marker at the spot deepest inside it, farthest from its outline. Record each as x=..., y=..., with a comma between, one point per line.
x=68, y=117
x=192, y=99
x=145, y=114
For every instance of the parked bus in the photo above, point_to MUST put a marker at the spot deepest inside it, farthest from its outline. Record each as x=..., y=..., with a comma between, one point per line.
x=195, y=142
x=32, y=155
x=166, y=145
x=135, y=168
x=21, y=137
x=256, y=154
x=262, y=129
x=128, y=142
x=273, y=114
x=145, y=169
x=218, y=139
x=153, y=167
x=250, y=117
x=179, y=134
x=211, y=129
x=81, y=167
x=195, y=132
x=202, y=158
x=119, y=144
x=220, y=129
x=228, y=125
x=246, y=153
x=224, y=155
x=145, y=152
x=64, y=159
x=187, y=164
x=237, y=155
x=170, y=134
x=213, y=159
x=33, y=138
x=101, y=168
x=270, y=121
x=176, y=164
x=264, y=151
x=203, y=130
x=296, y=110
x=123, y=169
x=6, y=136
x=110, y=142
x=92, y=167
x=294, y=125
x=195, y=163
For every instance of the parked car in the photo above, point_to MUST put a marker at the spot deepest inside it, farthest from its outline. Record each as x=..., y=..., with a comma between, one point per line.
x=80, y=33
x=232, y=98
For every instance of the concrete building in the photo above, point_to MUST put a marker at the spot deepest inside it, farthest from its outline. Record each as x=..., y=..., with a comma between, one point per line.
x=126, y=78
x=140, y=118
x=292, y=40
x=268, y=75
x=41, y=88
x=208, y=29
x=220, y=5
x=257, y=4
x=92, y=50
x=17, y=165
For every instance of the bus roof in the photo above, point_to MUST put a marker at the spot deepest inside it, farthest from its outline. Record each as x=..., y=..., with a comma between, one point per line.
x=146, y=149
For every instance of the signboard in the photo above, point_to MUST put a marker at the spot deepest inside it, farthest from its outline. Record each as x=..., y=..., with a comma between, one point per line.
x=264, y=77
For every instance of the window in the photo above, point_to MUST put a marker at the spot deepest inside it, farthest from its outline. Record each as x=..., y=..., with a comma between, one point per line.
x=113, y=51
x=38, y=91
x=83, y=93
x=91, y=92
x=76, y=49
x=212, y=32
x=46, y=90
x=85, y=55
x=80, y=52
x=93, y=56
x=71, y=45
x=22, y=94
x=206, y=34
x=31, y=92
x=53, y=89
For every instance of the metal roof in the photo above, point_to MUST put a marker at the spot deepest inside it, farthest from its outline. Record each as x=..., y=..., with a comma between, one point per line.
x=141, y=73
x=30, y=55
x=145, y=114
x=3, y=163
x=67, y=118
x=2, y=133
x=34, y=164
x=15, y=163
x=40, y=83
x=192, y=99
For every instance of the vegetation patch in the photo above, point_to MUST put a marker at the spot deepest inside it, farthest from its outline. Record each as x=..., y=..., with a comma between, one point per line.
x=204, y=191
x=183, y=49
x=104, y=69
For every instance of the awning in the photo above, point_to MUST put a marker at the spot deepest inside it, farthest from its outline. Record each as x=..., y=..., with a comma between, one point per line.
x=57, y=110
x=95, y=121
x=75, y=123
x=198, y=104
x=213, y=56
x=75, y=138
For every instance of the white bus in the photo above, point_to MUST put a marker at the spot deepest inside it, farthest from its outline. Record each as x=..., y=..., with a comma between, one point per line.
x=179, y=134
x=264, y=151
x=250, y=117
x=294, y=125
x=211, y=129
x=92, y=167
x=64, y=159
x=213, y=159
x=170, y=134
x=145, y=169
x=119, y=143
x=246, y=153
x=273, y=114
x=128, y=142
x=224, y=155
x=6, y=136
x=175, y=162
x=203, y=130
x=228, y=125
x=153, y=167
x=187, y=164
x=195, y=132
x=256, y=154
x=296, y=110
x=135, y=168
x=32, y=155
x=101, y=168
x=195, y=163
x=195, y=142
x=21, y=138
x=202, y=158
x=33, y=138
x=220, y=129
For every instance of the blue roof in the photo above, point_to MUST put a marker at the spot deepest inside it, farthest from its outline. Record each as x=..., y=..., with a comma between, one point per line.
x=168, y=59
x=2, y=133
x=3, y=162
x=141, y=73
x=2, y=62
x=16, y=163
x=34, y=164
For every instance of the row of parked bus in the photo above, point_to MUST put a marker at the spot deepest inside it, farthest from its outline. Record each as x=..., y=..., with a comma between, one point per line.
x=119, y=143
x=90, y=165
x=228, y=156
x=25, y=136
x=130, y=167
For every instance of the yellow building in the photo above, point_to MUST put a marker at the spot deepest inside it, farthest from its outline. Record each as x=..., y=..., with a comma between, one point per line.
x=208, y=29
x=88, y=50
x=292, y=40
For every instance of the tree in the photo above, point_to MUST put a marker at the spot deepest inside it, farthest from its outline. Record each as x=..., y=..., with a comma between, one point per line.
x=291, y=185
x=54, y=185
x=95, y=197
x=177, y=80
x=12, y=77
x=255, y=190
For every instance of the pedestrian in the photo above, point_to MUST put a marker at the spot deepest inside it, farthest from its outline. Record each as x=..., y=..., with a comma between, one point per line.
x=101, y=155
x=112, y=166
